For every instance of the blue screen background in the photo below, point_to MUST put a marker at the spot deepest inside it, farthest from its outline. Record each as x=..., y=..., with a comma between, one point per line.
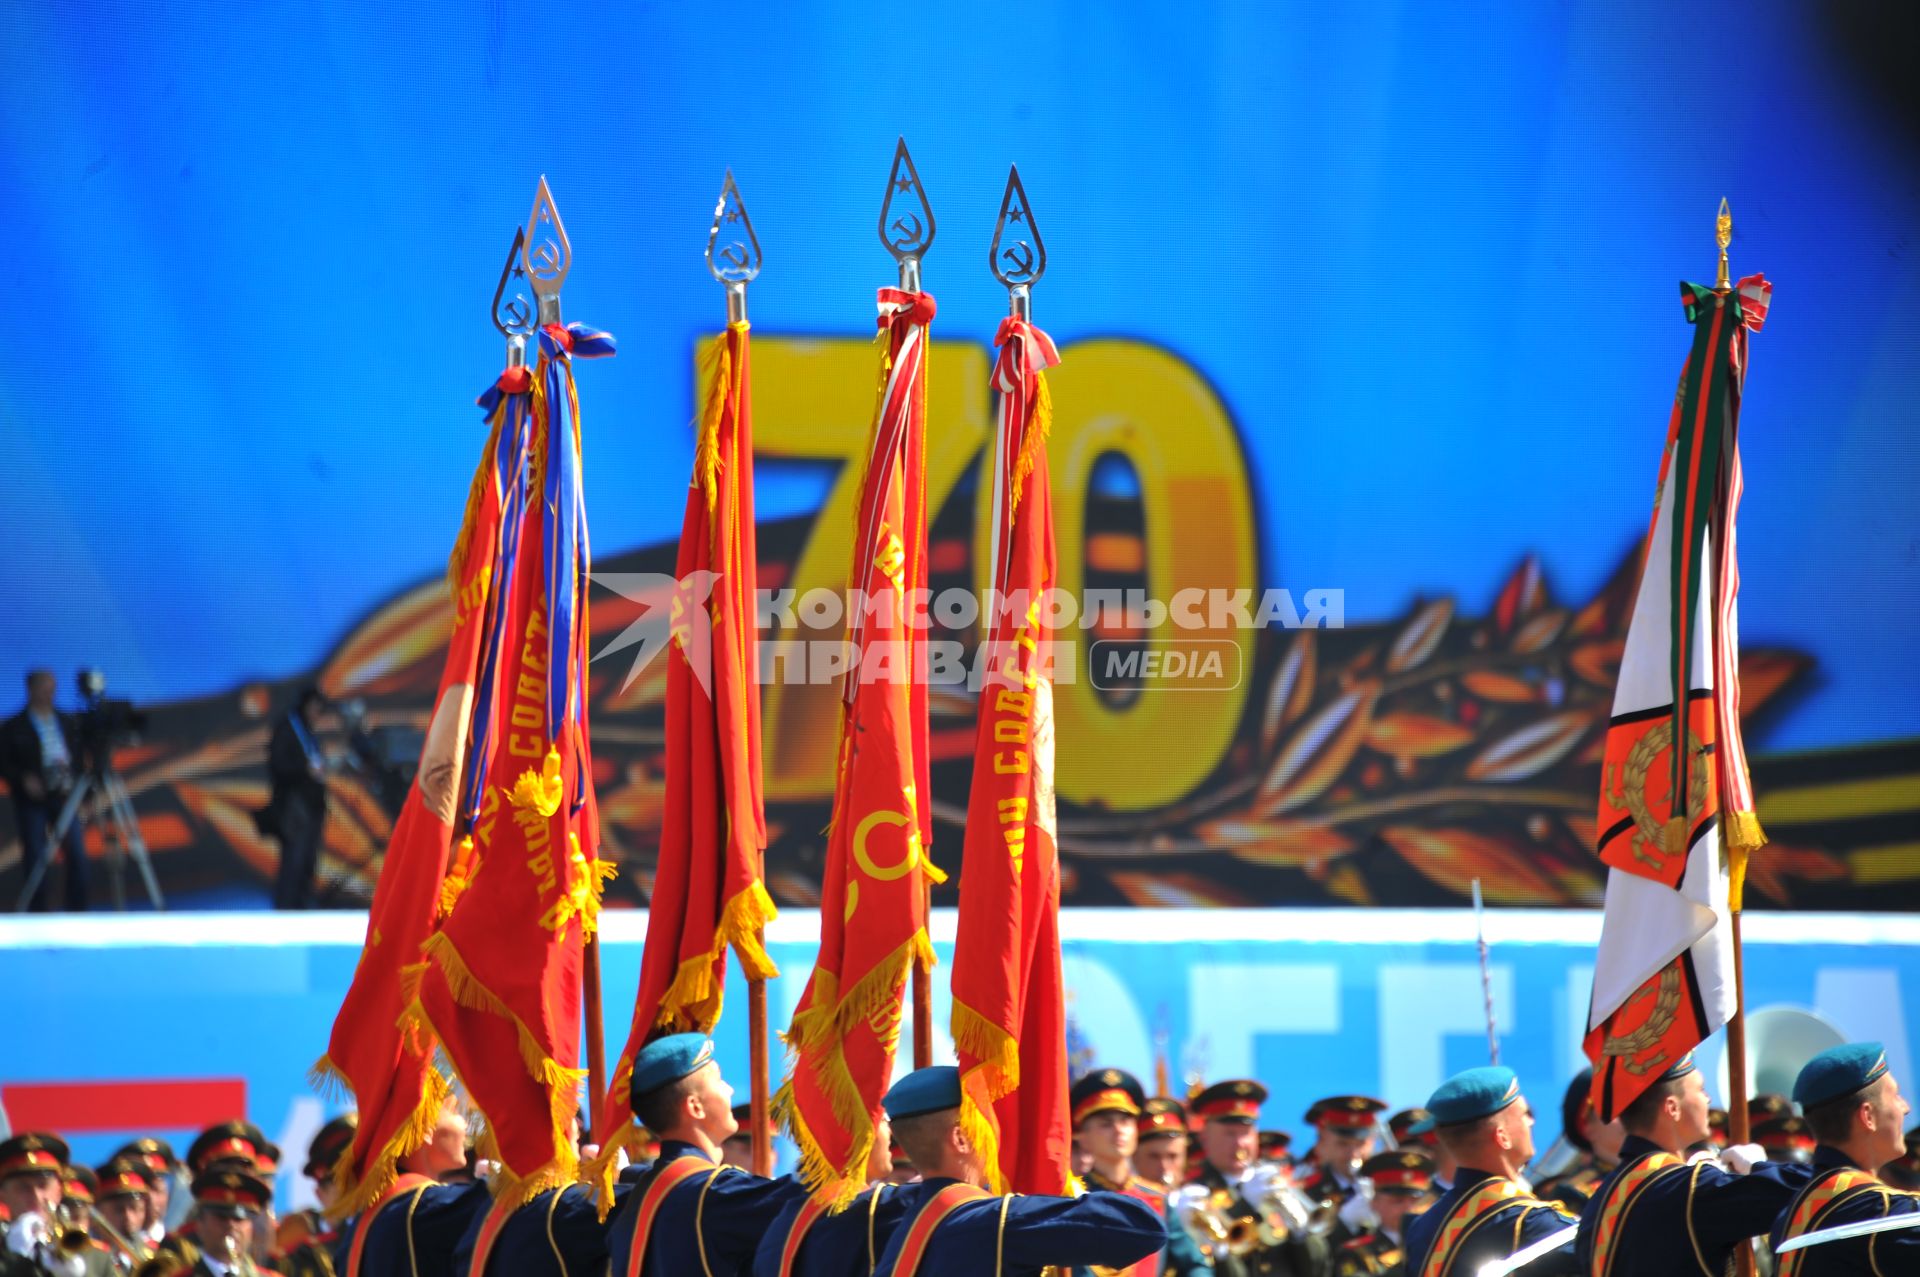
x=1428, y=259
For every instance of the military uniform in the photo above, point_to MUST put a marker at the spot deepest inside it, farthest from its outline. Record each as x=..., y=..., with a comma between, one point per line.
x=78, y=1197
x=1671, y=1217
x=1347, y=1116
x=1026, y=1234
x=413, y=1231
x=847, y=1244
x=157, y=1156
x=557, y=1234
x=1838, y=1192
x=235, y=1194
x=1161, y=1118
x=1295, y=1254
x=33, y=1240
x=1405, y=1174
x=701, y=1217
x=123, y=1177
x=304, y=1243
x=1574, y=1185
x=1117, y=1091
x=1484, y=1215
x=949, y=1228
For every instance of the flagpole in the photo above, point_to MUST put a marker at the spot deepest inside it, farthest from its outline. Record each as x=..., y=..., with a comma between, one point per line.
x=1738, y=1131
x=735, y=264
x=548, y=257
x=1486, y=973
x=908, y=235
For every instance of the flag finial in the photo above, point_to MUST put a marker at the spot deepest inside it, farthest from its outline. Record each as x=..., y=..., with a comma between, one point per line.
x=1023, y=260
x=736, y=260
x=1723, y=236
x=906, y=219
x=549, y=255
x=512, y=312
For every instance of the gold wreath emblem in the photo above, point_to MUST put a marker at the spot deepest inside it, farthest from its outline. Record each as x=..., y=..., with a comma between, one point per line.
x=1666, y=1005
x=1628, y=790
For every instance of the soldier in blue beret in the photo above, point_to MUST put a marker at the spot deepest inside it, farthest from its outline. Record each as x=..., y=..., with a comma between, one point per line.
x=1657, y=1213
x=808, y=1241
x=1488, y=1213
x=555, y=1234
x=690, y=1213
x=1856, y=1111
x=414, y=1229
x=951, y=1225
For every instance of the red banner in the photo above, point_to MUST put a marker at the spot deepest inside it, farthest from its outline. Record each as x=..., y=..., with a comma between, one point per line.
x=873, y=906
x=707, y=890
x=387, y=1069
x=500, y=984
x=1009, y=1005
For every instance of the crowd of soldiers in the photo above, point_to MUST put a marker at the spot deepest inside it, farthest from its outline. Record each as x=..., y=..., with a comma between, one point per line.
x=1170, y=1187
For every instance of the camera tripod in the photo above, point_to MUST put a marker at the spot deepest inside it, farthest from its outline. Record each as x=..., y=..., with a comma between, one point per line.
x=112, y=810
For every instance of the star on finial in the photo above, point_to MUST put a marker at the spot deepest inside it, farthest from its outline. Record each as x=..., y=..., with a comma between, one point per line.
x=906, y=219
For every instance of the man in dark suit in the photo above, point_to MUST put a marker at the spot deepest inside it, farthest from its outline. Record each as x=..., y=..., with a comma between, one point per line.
x=40, y=759
x=297, y=812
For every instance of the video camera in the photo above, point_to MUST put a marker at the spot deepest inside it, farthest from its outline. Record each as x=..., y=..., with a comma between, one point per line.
x=105, y=725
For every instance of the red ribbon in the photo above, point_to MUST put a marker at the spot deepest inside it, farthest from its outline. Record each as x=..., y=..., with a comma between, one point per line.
x=897, y=305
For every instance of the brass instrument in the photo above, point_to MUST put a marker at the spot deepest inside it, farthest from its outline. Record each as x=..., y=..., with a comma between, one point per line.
x=238, y=1260
x=1284, y=1209
x=1203, y=1213
x=66, y=1230
x=135, y=1251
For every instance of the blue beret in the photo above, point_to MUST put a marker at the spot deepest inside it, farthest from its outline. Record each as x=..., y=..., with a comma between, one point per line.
x=1474, y=1094
x=1681, y=1068
x=668, y=1059
x=924, y=1091
x=1839, y=1072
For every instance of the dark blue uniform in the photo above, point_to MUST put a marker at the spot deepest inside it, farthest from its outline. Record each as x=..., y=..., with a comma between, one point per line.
x=1684, y=1212
x=557, y=1234
x=836, y=1245
x=1880, y=1254
x=415, y=1233
x=1108, y=1229
x=739, y=1208
x=1515, y=1224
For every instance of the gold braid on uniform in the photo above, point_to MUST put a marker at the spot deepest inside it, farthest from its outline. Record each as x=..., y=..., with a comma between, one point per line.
x=873, y=1211
x=553, y=1244
x=999, y=1237
x=413, y=1204
x=699, y=1214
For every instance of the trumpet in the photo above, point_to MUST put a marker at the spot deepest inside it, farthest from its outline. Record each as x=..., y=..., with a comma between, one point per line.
x=1203, y=1213
x=135, y=1251
x=1284, y=1210
x=238, y=1260
x=66, y=1230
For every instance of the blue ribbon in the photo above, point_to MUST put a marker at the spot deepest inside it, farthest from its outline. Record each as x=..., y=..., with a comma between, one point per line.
x=509, y=461
x=564, y=516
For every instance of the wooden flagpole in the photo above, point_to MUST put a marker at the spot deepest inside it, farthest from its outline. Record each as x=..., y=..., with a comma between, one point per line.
x=596, y=1030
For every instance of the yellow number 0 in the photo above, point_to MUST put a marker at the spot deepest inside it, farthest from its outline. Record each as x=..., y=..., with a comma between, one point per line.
x=814, y=400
